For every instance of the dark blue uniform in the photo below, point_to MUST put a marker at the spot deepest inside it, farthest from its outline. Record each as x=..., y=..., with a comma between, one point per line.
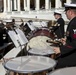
x=59, y=30
x=67, y=57
x=1, y=34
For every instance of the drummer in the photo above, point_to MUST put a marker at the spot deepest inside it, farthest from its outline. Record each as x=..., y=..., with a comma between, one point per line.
x=67, y=52
x=58, y=28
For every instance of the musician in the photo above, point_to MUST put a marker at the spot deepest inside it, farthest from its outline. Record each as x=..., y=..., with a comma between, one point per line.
x=58, y=29
x=67, y=52
x=1, y=34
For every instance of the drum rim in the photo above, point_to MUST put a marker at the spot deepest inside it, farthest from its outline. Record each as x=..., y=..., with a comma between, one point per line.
x=61, y=69
x=26, y=72
x=45, y=54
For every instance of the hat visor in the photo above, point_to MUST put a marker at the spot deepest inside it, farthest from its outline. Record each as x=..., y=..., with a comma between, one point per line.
x=66, y=9
x=69, y=8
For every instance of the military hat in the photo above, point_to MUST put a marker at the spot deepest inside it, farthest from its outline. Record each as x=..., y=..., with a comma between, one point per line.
x=57, y=12
x=69, y=6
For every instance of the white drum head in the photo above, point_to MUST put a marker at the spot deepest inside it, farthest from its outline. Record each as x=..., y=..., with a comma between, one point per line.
x=30, y=64
x=46, y=52
x=65, y=71
x=38, y=42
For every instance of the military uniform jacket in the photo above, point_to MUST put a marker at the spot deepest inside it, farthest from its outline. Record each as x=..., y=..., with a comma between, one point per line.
x=59, y=30
x=68, y=52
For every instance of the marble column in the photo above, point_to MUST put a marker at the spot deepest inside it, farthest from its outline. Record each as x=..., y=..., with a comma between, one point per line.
x=28, y=5
x=50, y=4
x=37, y=4
x=58, y=3
x=18, y=5
x=9, y=5
x=68, y=1
x=5, y=7
x=25, y=4
x=15, y=4
x=46, y=4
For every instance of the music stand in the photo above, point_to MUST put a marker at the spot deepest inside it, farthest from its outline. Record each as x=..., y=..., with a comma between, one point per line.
x=31, y=26
x=17, y=37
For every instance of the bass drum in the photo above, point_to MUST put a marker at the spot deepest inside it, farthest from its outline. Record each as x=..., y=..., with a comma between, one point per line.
x=44, y=32
x=39, y=39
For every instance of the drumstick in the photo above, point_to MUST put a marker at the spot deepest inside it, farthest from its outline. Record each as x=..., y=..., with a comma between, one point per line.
x=44, y=42
x=51, y=41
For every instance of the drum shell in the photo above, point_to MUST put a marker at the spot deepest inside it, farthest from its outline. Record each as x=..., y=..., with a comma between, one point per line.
x=43, y=32
x=40, y=73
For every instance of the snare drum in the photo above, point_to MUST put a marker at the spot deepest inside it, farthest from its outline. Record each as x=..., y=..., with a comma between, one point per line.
x=65, y=71
x=29, y=65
